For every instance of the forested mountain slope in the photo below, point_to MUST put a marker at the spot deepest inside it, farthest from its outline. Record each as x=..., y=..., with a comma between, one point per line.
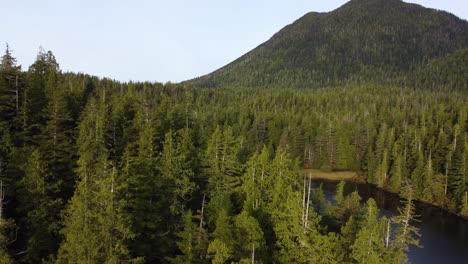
x=450, y=71
x=362, y=40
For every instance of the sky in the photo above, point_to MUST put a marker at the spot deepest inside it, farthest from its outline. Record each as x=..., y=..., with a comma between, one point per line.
x=155, y=40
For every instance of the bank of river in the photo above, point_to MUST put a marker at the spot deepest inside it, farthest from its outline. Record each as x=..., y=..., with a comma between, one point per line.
x=444, y=235
x=333, y=175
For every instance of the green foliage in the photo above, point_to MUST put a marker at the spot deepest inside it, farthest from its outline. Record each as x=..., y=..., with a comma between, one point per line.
x=368, y=246
x=449, y=71
x=406, y=234
x=192, y=242
x=249, y=236
x=222, y=247
x=6, y=226
x=41, y=208
x=119, y=167
x=377, y=40
x=96, y=228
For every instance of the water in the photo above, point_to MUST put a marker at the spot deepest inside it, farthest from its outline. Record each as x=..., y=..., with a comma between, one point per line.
x=444, y=236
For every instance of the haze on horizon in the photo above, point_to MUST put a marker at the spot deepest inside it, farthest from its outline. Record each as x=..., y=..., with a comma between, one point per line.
x=155, y=40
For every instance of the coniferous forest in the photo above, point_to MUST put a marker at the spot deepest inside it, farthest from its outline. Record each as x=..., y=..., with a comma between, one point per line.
x=98, y=171
x=210, y=170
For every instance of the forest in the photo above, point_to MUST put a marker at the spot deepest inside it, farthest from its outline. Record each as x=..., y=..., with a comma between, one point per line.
x=94, y=170
x=384, y=41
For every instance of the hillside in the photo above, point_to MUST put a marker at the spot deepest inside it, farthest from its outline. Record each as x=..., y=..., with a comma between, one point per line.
x=360, y=41
x=450, y=71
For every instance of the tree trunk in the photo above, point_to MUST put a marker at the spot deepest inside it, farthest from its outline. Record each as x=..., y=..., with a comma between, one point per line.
x=253, y=253
x=308, y=203
x=202, y=210
x=387, y=237
x=304, y=201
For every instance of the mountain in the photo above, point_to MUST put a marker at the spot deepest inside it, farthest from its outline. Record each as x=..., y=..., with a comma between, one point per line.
x=450, y=71
x=360, y=41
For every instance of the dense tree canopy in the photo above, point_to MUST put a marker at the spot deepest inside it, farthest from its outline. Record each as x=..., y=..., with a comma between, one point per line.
x=363, y=40
x=97, y=171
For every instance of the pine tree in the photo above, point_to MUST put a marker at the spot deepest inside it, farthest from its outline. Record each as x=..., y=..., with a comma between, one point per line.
x=6, y=226
x=459, y=172
x=396, y=173
x=96, y=228
x=146, y=203
x=369, y=244
x=428, y=176
x=176, y=174
x=222, y=247
x=41, y=207
x=344, y=150
x=248, y=237
x=286, y=211
x=192, y=243
x=464, y=207
x=417, y=178
x=11, y=90
x=223, y=169
x=41, y=82
x=406, y=233
x=256, y=181
x=382, y=170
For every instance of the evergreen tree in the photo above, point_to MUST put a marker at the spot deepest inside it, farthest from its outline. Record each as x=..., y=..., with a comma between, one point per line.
x=41, y=207
x=249, y=238
x=96, y=228
x=192, y=243
x=6, y=226
x=397, y=173
x=41, y=82
x=177, y=174
x=146, y=203
x=459, y=171
x=222, y=246
x=224, y=169
x=406, y=233
x=256, y=181
x=369, y=244
x=11, y=91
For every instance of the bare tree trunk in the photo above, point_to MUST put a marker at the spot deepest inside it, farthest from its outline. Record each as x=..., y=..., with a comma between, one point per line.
x=253, y=253
x=446, y=171
x=387, y=237
x=112, y=179
x=253, y=179
x=455, y=142
x=202, y=210
x=310, y=158
x=308, y=203
x=304, y=201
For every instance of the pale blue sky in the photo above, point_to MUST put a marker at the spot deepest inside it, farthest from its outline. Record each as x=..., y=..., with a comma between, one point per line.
x=141, y=40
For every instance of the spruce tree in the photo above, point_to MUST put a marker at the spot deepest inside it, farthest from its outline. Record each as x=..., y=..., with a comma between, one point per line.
x=369, y=244
x=40, y=205
x=96, y=228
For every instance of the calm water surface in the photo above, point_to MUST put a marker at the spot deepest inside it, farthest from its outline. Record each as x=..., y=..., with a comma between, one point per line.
x=444, y=236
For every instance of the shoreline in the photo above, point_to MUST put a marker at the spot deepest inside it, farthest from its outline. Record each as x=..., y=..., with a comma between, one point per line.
x=346, y=175
x=356, y=177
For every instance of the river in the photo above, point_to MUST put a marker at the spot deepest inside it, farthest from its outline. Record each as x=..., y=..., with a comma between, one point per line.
x=444, y=237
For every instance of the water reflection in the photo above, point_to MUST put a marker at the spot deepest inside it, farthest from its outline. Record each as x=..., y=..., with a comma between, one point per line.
x=444, y=236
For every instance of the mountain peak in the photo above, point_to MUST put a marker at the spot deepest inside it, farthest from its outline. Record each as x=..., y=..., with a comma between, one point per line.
x=362, y=40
